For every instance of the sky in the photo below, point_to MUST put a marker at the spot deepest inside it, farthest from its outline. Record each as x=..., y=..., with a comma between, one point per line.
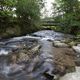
x=47, y=10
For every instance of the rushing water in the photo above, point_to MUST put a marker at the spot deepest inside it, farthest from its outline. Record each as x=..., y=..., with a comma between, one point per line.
x=13, y=43
x=39, y=68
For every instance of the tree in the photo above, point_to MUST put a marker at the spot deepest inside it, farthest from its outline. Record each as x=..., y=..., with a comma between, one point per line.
x=6, y=13
x=69, y=15
x=28, y=13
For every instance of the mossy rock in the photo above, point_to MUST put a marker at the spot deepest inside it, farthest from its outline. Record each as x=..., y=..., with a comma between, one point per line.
x=72, y=43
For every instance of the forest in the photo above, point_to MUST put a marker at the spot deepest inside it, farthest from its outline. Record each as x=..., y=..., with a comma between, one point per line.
x=19, y=17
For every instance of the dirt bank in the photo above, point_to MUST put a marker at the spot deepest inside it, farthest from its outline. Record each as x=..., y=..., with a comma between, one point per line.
x=64, y=60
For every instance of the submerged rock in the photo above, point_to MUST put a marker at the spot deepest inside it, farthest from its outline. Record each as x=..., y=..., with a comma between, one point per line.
x=12, y=69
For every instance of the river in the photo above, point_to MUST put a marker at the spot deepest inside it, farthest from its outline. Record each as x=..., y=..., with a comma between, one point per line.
x=39, y=66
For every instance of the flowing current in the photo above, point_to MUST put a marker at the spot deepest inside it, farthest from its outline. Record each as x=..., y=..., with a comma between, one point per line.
x=41, y=67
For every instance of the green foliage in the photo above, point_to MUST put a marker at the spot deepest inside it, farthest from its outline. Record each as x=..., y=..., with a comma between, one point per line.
x=28, y=12
x=27, y=16
x=6, y=14
x=68, y=14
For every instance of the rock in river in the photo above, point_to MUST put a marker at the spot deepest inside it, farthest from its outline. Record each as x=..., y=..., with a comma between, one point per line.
x=77, y=50
x=60, y=44
x=72, y=76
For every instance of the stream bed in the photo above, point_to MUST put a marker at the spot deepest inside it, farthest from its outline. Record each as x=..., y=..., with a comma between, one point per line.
x=31, y=57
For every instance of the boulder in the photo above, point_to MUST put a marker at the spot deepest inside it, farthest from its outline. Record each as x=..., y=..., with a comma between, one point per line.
x=76, y=49
x=72, y=76
x=78, y=45
x=72, y=43
x=60, y=44
x=77, y=61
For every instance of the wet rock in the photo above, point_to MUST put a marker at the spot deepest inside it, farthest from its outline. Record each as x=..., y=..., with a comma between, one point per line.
x=77, y=61
x=15, y=69
x=72, y=76
x=78, y=45
x=23, y=55
x=12, y=69
x=77, y=57
x=60, y=44
x=21, y=44
x=35, y=48
x=72, y=43
x=12, y=64
x=76, y=49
